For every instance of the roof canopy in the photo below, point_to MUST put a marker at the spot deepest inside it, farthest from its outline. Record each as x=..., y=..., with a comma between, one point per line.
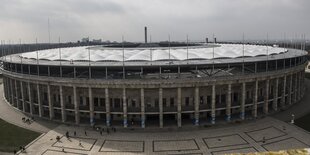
x=100, y=53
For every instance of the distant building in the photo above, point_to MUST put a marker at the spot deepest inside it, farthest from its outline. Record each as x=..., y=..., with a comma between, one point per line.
x=85, y=40
x=97, y=41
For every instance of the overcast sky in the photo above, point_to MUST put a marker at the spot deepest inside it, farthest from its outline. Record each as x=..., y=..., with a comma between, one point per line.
x=110, y=19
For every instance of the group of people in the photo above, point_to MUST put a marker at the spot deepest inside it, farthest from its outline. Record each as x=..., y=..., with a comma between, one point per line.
x=21, y=148
x=27, y=120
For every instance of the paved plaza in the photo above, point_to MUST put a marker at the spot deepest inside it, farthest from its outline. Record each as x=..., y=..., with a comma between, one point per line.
x=270, y=135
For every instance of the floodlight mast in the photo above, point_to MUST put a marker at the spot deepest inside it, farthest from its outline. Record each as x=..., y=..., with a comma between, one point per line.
x=123, y=57
x=187, y=48
x=243, y=53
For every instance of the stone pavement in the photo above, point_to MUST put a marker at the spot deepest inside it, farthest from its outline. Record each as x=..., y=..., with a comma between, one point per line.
x=267, y=134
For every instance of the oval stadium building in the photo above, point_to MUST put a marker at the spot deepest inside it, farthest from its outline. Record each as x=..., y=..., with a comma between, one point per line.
x=154, y=85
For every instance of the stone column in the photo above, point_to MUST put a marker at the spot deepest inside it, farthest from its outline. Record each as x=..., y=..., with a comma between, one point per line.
x=107, y=107
x=266, y=100
x=275, y=95
x=30, y=100
x=213, y=105
x=228, y=103
x=299, y=85
x=290, y=90
x=142, y=108
x=196, y=105
x=125, y=122
x=295, y=88
x=50, y=104
x=23, y=96
x=62, y=104
x=243, y=89
x=91, y=106
x=254, y=112
x=39, y=100
x=12, y=93
x=160, y=103
x=16, y=95
x=179, y=108
x=283, y=92
x=76, y=106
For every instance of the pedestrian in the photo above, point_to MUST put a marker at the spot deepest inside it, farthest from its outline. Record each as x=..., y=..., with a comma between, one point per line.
x=114, y=129
x=108, y=131
x=80, y=144
x=74, y=133
x=63, y=150
x=67, y=134
x=264, y=139
x=24, y=149
x=101, y=132
x=85, y=133
x=14, y=151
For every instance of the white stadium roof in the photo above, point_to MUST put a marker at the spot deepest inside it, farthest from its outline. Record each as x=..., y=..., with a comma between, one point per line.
x=100, y=53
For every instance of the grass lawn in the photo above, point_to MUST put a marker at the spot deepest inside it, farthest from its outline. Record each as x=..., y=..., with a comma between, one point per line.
x=12, y=137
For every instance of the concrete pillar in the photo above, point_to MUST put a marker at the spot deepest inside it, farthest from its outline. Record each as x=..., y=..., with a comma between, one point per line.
x=91, y=106
x=299, y=85
x=39, y=100
x=228, y=103
x=242, y=112
x=160, y=103
x=107, y=107
x=22, y=95
x=266, y=100
x=62, y=104
x=125, y=122
x=142, y=108
x=179, y=107
x=213, y=105
x=12, y=93
x=275, y=95
x=290, y=90
x=196, y=105
x=30, y=100
x=254, y=112
x=295, y=88
x=50, y=103
x=283, y=92
x=76, y=106
x=16, y=95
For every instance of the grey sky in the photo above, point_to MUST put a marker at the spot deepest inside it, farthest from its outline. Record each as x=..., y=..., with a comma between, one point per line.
x=110, y=19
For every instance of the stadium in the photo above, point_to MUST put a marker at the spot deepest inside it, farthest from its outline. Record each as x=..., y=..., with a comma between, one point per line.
x=154, y=84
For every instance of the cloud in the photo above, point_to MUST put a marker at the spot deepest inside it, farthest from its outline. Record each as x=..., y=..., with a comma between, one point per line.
x=110, y=19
